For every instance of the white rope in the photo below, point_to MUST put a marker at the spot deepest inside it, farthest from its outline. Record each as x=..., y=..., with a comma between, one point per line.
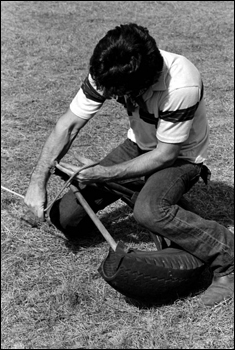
x=17, y=194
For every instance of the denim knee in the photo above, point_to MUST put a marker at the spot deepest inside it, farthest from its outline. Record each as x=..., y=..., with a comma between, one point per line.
x=144, y=213
x=156, y=217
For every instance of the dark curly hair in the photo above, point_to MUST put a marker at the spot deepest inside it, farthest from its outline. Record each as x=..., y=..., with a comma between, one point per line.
x=126, y=61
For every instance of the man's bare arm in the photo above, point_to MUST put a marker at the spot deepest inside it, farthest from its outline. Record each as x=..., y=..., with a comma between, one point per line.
x=163, y=156
x=55, y=147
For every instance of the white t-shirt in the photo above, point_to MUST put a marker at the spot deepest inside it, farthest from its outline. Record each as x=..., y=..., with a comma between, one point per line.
x=174, y=109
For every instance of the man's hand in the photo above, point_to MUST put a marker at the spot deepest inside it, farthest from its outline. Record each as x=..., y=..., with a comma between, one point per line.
x=35, y=199
x=96, y=173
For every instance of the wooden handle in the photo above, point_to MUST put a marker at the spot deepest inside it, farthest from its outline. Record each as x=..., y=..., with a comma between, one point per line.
x=94, y=218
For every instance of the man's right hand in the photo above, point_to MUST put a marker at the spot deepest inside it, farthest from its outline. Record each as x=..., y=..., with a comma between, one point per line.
x=35, y=199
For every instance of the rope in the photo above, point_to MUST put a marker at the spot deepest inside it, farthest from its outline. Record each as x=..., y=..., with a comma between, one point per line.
x=13, y=192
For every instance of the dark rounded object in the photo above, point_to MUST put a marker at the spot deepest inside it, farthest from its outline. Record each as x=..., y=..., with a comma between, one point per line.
x=151, y=275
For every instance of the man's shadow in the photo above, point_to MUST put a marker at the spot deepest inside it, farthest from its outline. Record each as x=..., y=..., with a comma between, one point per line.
x=213, y=202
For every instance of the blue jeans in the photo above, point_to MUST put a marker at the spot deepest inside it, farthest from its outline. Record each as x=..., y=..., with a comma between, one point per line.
x=156, y=209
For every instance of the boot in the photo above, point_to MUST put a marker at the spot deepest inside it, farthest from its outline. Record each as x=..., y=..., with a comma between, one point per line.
x=221, y=289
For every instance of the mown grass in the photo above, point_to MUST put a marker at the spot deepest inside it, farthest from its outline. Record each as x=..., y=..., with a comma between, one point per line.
x=52, y=295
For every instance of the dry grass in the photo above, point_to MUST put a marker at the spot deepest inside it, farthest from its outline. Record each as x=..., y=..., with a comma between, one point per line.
x=52, y=294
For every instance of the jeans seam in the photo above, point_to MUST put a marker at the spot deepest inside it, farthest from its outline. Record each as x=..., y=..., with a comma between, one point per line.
x=204, y=232
x=186, y=223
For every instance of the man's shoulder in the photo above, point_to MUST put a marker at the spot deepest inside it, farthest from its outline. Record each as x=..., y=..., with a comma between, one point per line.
x=179, y=72
x=172, y=58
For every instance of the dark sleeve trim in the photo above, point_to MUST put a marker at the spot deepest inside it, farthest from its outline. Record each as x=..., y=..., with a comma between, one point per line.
x=202, y=92
x=91, y=93
x=180, y=115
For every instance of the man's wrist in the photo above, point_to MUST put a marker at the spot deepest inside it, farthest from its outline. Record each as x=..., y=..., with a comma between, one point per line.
x=39, y=178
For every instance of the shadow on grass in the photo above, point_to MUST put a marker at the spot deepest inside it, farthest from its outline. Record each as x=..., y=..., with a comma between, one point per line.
x=215, y=203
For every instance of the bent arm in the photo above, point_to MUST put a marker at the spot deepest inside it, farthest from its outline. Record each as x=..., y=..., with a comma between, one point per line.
x=162, y=157
x=55, y=147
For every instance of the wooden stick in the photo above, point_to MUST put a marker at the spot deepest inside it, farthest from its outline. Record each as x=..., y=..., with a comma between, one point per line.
x=94, y=218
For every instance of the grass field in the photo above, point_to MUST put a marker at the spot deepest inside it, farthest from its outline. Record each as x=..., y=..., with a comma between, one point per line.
x=52, y=295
